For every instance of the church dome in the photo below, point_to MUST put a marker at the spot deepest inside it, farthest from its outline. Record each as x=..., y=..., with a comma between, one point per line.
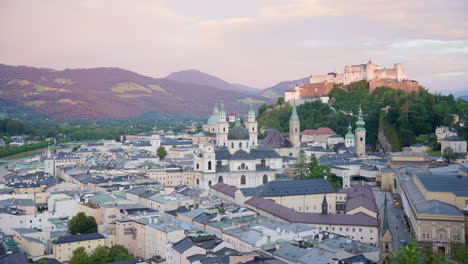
x=238, y=132
x=213, y=120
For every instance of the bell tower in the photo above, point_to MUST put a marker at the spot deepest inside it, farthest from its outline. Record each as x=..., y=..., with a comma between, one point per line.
x=294, y=128
x=223, y=128
x=251, y=126
x=360, y=134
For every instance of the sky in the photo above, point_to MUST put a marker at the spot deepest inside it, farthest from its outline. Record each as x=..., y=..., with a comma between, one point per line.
x=253, y=42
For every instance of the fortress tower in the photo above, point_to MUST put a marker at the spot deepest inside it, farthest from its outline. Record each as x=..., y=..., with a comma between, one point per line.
x=294, y=129
x=360, y=132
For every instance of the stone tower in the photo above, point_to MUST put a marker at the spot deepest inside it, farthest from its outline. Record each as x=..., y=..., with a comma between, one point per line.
x=251, y=126
x=294, y=128
x=349, y=138
x=223, y=129
x=155, y=142
x=49, y=163
x=360, y=134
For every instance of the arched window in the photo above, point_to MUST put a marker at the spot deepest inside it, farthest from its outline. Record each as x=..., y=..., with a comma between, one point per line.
x=240, y=145
x=265, y=179
x=198, y=181
x=263, y=163
x=296, y=129
x=224, y=129
x=232, y=144
x=243, y=180
x=253, y=129
x=361, y=138
x=220, y=179
x=198, y=166
x=209, y=165
x=209, y=183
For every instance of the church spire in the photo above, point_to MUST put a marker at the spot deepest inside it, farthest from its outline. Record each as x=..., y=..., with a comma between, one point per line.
x=360, y=122
x=324, y=205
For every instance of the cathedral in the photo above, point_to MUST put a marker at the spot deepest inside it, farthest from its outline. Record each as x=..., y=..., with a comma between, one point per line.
x=235, y=158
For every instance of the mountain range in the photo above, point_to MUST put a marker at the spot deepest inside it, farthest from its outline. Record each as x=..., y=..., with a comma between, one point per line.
x=118, y=93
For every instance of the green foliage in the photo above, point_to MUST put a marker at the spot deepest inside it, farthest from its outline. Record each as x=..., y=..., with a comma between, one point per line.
x=10, y=127
x=6, y=151
x=161, y=152
x=409, y=254
x=41, y=261
x=300, y=168
x=448, y=153
x=75, y=148
x=316, y=170
x=82, y=224
x=459, y=252
x=119, y=253
x=280, y=100
x=101, y=255
x=80, y=256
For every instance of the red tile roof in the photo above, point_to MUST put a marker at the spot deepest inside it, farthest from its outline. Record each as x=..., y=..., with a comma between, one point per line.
x=320, y=130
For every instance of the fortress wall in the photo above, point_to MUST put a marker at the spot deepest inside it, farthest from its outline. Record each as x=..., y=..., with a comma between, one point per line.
x=406, y=85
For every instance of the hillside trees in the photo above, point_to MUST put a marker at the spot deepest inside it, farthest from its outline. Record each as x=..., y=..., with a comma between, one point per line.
x=407, y=115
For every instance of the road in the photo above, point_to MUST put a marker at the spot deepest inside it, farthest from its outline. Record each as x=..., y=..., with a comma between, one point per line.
x=396, y=220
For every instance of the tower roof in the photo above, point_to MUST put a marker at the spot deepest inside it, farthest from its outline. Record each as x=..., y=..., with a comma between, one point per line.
x=251, y=111
x=360, y=122
x=238, y=132
x=222, y=112
x=294, y=115
x=350, y=134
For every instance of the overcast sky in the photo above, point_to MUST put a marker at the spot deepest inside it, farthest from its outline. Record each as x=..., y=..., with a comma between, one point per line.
x=253, y=42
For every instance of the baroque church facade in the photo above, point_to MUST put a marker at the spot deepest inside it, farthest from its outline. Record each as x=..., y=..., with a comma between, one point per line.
x=235, y=158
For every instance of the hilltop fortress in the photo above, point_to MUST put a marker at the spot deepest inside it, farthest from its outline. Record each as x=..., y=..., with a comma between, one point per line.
x=319, y=86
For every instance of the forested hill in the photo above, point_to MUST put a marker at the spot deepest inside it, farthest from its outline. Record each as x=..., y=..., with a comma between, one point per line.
x=405, y=118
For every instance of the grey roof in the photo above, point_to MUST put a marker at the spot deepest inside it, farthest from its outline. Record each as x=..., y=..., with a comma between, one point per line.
x=288, y=188
x=445, y=183
x=17, y=202
x=453, y=138
x=76, y=238
x=222, y=154
x=275, y=139
x=242, y=155
x=293, y=216
x=186, y=243
x=416, y=198
x=204, y=218
x=229, y=190
x=15, y=258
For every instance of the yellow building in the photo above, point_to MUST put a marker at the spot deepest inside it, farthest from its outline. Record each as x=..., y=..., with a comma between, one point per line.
x=63, y=247
x=404, y=158
x=433, y=201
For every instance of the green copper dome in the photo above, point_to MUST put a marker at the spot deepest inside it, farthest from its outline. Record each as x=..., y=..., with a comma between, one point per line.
x=238, y=132
x=222, y=113
x=350, y=134
x=251, y=111
x=213, y=120
x=360, y=122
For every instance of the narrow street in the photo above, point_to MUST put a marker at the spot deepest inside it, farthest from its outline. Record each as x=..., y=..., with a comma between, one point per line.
x=396, y=220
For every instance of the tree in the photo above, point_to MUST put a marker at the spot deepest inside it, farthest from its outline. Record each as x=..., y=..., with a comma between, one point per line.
x=300, y=168
x=80, y=256
x=119, y=253
x=161, y=152
x=448, y=153
x=280, y=100
x=408, y=254
x=100, y=255
x=262, y=109
x=316, y=170
x=117, y=138
x=82, y=224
